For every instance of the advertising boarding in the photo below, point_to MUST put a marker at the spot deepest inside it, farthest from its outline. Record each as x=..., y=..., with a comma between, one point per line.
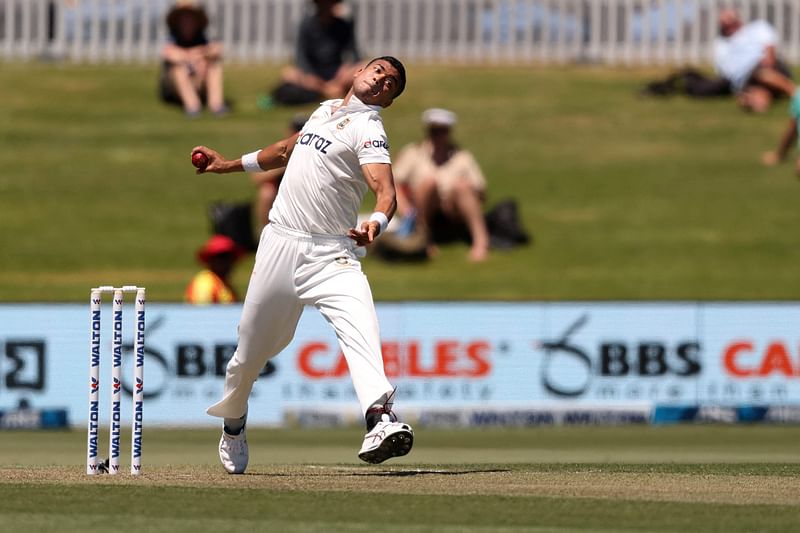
x=465, y=363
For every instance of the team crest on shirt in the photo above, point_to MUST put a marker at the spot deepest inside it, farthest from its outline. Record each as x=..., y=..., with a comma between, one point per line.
x=342, y=124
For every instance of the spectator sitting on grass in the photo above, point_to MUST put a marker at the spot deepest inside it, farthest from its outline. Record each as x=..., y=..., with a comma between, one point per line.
x=326, y=58
x=746, y=56
x=442, y=186
x=211, y=285
x=192, y=65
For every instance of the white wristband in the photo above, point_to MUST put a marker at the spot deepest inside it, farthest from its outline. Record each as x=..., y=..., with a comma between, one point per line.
x=381, y=219
x=250, y=162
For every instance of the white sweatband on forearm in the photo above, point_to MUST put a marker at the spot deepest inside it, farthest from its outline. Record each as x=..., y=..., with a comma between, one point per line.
x=250, y=162
x=381, y=219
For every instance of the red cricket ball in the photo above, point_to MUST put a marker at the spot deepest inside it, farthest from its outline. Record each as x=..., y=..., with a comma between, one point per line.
x=200, y=160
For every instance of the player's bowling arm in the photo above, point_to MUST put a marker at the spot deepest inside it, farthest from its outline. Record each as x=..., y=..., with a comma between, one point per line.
x=273, y=156
x=277, y=155
x=259, y=178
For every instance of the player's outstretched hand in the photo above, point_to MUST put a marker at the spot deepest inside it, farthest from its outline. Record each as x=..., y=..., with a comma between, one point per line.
x=365, y=234
x=215, y=160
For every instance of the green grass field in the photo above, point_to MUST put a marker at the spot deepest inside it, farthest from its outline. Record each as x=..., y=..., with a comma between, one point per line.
x=591, y=479
x=627, y=198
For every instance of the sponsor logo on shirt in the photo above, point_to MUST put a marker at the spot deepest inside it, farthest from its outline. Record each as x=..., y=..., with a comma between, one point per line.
x=377, y=143
x=319, y=143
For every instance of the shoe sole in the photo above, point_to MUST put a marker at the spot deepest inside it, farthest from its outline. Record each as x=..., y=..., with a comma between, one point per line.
x=395, y=445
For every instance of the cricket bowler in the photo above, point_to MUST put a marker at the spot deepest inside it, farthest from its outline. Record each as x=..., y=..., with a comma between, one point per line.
x=309, y=255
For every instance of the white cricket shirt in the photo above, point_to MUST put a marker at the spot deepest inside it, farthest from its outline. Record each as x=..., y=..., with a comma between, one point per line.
x=322, y=189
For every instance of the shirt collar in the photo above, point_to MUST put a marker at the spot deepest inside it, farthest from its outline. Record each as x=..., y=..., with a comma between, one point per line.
x=355, y=105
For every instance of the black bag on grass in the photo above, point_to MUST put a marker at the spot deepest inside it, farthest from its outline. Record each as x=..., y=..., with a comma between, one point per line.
x=504, y=226
x=291, y=94
x=234, y=220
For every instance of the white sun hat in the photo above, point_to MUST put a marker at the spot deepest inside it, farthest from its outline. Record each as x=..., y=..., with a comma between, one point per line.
x=437, y=116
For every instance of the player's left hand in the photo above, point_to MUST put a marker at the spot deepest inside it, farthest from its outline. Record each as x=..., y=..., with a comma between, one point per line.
x=365, y=234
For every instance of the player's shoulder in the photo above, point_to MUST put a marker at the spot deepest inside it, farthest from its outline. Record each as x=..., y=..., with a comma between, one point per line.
x=365, y=122
x=325, y=109
x=372, y=120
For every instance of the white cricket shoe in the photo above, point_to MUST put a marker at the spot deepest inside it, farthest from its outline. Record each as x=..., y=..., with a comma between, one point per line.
x=386, y=440
x=233, y=452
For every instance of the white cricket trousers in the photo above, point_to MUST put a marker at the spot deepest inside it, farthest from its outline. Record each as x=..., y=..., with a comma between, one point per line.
x=294, y=269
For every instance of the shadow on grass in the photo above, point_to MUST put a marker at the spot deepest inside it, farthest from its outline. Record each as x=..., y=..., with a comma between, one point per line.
x=421, y=472
x=381, y=473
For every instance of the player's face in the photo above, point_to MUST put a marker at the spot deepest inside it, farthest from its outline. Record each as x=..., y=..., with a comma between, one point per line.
x=376, y=84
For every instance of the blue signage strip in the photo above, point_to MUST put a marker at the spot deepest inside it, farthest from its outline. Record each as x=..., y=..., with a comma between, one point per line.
x=513, y=358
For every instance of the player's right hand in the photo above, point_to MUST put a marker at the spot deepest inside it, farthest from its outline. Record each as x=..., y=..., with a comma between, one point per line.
x=215, y=160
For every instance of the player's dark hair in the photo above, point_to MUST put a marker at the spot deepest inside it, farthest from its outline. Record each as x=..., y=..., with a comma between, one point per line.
x=401, y=71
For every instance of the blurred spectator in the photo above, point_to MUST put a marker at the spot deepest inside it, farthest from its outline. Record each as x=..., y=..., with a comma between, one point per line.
x=441, y=186
x=746, y=61
x=326, y=58
x=192, y=65
x=746, y=56
x=211, y=285
x=269, y=181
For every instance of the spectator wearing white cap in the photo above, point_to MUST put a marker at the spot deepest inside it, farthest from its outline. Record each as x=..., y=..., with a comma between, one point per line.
x=444, y=185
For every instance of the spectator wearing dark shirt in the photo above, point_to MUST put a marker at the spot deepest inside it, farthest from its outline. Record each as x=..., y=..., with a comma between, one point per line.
x=326, y=57
x=192, y=64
